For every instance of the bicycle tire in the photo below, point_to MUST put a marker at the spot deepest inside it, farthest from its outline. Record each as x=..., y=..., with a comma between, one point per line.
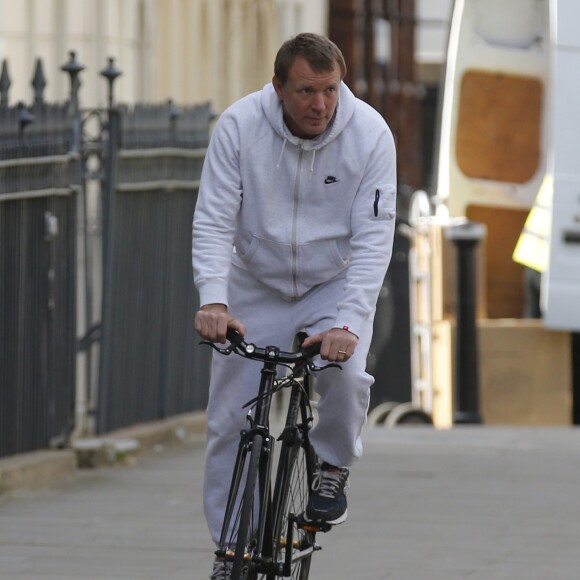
x=293, y=484
x=240, y=533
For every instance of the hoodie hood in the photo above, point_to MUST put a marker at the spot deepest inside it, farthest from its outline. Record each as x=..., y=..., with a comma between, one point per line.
x=272, y=107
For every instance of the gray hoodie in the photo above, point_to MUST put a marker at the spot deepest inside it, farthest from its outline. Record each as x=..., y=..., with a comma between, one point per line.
x=297, y=213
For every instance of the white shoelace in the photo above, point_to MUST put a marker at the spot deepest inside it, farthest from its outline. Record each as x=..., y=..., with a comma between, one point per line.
x=327, y=483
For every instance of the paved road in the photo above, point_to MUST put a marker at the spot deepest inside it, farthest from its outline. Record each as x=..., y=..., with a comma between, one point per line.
x=478, y=503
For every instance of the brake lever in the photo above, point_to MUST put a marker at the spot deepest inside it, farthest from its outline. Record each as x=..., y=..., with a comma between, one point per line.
x=315, y=368
x=227, y=351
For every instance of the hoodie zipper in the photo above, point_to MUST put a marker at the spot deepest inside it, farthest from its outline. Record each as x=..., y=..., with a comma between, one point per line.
x=295, y=225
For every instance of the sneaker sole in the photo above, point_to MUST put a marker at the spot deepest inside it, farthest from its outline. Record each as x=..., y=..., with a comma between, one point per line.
x=340, y=520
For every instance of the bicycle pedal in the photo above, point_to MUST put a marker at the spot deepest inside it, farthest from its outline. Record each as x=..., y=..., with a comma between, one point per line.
x=312, y=526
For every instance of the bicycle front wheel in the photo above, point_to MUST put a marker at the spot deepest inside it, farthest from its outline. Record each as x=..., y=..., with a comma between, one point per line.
x=293, y=545
x=240, y=528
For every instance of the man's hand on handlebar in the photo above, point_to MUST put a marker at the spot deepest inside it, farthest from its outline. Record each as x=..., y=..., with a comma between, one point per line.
x=338, y=344
x=213, y=320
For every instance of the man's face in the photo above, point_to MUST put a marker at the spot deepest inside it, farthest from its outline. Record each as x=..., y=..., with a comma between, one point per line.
x=308, y=98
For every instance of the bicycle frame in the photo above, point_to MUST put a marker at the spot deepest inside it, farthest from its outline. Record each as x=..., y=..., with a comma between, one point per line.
x=257, y=468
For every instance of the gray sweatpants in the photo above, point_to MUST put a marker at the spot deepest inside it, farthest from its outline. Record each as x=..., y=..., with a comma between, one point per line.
x=343, y=394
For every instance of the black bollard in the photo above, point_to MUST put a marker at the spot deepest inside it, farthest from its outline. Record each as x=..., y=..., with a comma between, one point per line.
x=466, y=237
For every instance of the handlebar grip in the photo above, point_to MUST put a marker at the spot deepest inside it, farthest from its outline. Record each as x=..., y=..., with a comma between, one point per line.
x=313, y=350
x=234, y=337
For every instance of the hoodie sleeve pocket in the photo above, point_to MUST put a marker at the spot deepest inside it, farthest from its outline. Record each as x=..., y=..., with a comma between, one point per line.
x=382, y=205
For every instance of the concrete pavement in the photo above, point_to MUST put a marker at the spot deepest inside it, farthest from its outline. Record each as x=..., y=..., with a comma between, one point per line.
x=473, y=502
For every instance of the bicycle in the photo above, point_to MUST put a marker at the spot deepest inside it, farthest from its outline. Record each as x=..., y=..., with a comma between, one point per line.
x=264, y=533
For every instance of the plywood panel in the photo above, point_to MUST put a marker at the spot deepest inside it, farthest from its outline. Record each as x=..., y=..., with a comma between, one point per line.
x=498, y=127
x=504, y=286
x=525, y=373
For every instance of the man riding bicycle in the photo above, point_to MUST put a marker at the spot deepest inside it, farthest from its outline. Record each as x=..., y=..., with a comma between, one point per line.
x=293, y=231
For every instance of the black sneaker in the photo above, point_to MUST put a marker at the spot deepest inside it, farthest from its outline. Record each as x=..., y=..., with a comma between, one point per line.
x=328, y=500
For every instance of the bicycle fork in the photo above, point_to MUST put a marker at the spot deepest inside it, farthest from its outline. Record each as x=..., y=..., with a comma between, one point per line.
x=256, y=439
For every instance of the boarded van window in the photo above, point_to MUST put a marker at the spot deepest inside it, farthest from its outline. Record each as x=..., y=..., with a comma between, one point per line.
x=499, y=126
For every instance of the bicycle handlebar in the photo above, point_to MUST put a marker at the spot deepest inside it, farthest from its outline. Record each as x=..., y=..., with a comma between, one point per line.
x=269, y=353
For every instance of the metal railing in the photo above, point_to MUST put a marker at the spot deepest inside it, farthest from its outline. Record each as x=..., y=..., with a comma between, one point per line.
x=96, y=291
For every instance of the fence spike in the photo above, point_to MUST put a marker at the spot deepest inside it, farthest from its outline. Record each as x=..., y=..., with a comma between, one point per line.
x=111, y=72
x=38, y=83
x=73, y=68
x=5, y=83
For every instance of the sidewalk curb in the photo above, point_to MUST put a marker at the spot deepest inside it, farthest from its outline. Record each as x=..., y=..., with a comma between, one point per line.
x=34, y=470
x=173, y=430
x=37, y=469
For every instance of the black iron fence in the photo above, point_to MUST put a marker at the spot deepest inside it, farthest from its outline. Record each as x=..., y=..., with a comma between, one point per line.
x=149, y=306
x=37, y=298
x=96, y=292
